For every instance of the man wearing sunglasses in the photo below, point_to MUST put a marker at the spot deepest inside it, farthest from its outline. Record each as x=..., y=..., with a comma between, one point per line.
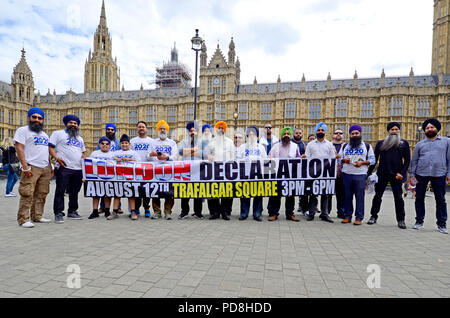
x=267, y=139
x=36, y=171
x=67, y=147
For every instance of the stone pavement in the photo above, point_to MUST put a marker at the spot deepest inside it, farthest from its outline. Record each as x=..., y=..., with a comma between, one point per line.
x=205, y=258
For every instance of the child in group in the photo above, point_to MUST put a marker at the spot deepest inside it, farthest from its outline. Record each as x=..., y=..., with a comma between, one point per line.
x=102, y=154
x=125, y=155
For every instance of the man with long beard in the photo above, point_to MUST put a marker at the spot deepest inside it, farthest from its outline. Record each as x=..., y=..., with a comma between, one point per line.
x=431, y=163
x=163, y=149
x=221, y=148
x=284, y=149
x=67, y=147
x=356, y=157
x=395, y=156
x=36, y=171
x=190, y=149
x=251, y=151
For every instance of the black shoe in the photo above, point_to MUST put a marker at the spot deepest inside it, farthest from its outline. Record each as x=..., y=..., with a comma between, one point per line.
x=402, y=225
x=309, y=217
x=326, y=218
x=59, y=218
x=373, y=220
x=241, y=218
x=258, y=219
x=213, y=217
x=226, y=217
x=93, y=215
x=74, y=216
x=183, y=216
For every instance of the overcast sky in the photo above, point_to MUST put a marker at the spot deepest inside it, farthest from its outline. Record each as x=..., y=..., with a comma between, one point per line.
x=284, y=37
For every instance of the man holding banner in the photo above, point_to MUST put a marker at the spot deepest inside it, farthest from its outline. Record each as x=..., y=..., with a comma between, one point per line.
x=318, y=149
x=251, y=151
x=221, y=148
x=163, y=149
x=284, y=149
x=191, y=149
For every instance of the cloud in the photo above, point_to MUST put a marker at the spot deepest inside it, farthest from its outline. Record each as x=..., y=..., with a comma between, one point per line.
x=283, y=37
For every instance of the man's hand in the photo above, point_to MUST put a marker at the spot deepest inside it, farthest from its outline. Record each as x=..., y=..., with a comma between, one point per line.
x=338, y=156
x=162, y=157
x=345, y=160
x=153, y=154
x=61, y=162
x=27, y=174
x=358, y=164
x=398, y=176
x=303, y=156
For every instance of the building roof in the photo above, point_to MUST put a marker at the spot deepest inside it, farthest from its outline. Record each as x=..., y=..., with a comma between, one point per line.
x=5, y=87
x=310, y=86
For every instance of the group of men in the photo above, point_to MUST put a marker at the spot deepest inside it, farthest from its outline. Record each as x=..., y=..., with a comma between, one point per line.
x=356, y=161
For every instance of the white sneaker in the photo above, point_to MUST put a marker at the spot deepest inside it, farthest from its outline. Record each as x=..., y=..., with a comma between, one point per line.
x=44, y=220
x=11, y=195
x=418, y=226
x=442, y=230
x=27, y=225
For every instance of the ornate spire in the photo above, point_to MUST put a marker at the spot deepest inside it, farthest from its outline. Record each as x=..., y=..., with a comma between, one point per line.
x=103, y=15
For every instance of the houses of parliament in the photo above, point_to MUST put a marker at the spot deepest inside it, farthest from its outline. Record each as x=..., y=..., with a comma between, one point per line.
x=370, y=102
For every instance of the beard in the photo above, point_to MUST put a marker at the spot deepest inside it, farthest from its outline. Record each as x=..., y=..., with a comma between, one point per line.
x=35, y=127
x=355, y=142
x=206, y=137
x=320, y=135
x=286, y=141
x=73, y=132
x=391, y=141
x=297, y=139
x=111, y=136
x=162, y=136
x=431, y=134
x=252, y=141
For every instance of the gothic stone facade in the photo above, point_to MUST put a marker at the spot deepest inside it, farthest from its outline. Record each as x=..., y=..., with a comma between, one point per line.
x=370, y=102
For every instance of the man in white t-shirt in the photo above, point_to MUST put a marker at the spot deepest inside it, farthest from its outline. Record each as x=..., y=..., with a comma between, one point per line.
x=141, y=144
x=32, y=150
x=67, y=147
x=163, y=149
x=250, y=151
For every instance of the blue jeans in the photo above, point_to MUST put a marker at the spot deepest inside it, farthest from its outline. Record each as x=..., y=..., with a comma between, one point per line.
x=354, y=184
x=257, y=207
x=12, y=178
x=438, y=184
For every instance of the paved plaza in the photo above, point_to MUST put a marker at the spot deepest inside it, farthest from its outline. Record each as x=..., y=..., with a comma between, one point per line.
x=216, y=258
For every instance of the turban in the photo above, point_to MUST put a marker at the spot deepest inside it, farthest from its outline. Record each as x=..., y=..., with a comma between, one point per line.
x=221, y=124
x=283, y=131
x=355, y=127
x=254, y=129
x=68, y=118
x=436, y=123
x=323, y=125
x=110, y=125
x=206, y=126
x=393, y=124
x=190, y=125
x=104, y=139
x=124, y=138
x=36, y=110
x=162, y=123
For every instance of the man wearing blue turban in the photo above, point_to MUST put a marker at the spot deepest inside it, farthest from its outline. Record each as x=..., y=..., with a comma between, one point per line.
x=69, y=151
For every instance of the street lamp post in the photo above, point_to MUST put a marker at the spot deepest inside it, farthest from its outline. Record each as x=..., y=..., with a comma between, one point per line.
x=235, y=115
x=419, y=132
x=196, y=46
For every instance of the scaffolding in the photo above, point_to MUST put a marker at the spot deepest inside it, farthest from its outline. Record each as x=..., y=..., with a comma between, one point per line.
x=173, y=74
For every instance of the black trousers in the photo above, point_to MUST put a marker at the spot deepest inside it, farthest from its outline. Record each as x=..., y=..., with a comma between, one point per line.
x=275, y=203
x=198, y=205
x=142, y=200
x=396, y=185
x=339, y=198
x=71, y=180
x=219, y=207
x=313, y=202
